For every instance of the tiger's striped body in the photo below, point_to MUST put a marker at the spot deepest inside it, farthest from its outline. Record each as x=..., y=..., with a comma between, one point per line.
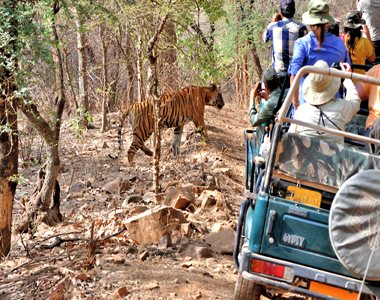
x=177, y=109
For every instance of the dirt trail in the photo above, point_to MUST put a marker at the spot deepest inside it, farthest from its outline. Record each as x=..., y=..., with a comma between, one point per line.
x=164, y=274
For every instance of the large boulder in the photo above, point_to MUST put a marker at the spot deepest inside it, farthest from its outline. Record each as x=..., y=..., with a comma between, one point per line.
x=179, y=198
x=221, y=242
x=151, y=225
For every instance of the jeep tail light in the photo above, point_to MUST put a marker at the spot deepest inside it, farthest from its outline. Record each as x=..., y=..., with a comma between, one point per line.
x=271, y=269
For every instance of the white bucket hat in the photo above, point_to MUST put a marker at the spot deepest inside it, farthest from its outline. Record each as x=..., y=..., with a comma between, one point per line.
x=319, y=89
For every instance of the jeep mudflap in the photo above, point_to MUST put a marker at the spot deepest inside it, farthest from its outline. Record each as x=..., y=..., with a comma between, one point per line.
x=310, y=220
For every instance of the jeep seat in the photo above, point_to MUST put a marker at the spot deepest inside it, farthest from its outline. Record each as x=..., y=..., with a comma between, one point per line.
x=320, y=164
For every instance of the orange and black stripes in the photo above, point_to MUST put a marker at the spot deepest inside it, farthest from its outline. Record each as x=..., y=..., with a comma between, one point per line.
x=176, y=110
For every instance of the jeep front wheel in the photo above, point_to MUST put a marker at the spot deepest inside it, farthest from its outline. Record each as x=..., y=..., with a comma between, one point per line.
x=246, y=289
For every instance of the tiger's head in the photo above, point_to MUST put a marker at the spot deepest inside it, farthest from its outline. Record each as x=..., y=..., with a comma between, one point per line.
x=214, y=98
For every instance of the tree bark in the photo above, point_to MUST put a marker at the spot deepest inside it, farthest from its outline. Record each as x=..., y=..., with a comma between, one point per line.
x=105, y=122
x=245, y=81
x=153, y=93
x=130, y=71
x=8, y=169
x=140, y=76
x=82, y=69
x=39, y=205
x=8, y=134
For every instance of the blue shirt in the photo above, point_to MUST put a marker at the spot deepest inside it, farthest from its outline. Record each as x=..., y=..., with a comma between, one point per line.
x=283, y=34
x=305, y=54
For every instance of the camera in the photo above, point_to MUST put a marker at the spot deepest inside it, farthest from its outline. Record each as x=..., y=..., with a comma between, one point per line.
x=336, y=65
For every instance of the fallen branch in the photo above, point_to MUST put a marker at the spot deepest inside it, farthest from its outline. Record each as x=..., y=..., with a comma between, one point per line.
x=60, y=241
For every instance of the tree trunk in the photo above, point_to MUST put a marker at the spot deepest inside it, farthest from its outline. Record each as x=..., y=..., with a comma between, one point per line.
x=82, y=70
x=140, y=77
x=39, y=207
x=245, y=81
x=130, y=72
x=8, y=135
x=8, y=169
x=105, y=83
x=152, y=92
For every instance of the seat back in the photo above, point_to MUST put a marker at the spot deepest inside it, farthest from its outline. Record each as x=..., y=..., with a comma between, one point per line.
x=316, y=161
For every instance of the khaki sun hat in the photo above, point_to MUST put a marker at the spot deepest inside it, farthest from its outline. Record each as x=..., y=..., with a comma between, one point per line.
x=317, y=13
x=319, y=89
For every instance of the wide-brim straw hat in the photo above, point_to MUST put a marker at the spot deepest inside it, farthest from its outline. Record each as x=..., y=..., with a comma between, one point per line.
x=317, y=13
x=319, y=89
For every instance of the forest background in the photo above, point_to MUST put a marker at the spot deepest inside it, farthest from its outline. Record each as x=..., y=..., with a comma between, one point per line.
x=71, y=60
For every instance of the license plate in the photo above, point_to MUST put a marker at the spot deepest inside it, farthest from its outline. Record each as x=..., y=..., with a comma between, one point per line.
x=332, y=291
x=305, y=196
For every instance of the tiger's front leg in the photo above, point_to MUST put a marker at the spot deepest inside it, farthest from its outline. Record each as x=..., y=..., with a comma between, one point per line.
x=201, y=128
x=177, y=139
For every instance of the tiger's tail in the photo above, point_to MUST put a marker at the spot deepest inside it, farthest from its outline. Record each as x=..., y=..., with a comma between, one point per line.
x=125, y=115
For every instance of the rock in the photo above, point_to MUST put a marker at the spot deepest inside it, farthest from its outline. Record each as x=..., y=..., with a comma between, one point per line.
x=196, y=189
x=184, y=240
x=117, y=186
x=200, y=226
x=131, y=249
x=139, y=209
x=119, y=259
x=89, y=182
x=179, y=198
x=221, y=215
x=185, y=229
x=135, y=198
x=186, y=264
x=196, y=251
x=222, y=204
x=221, y=242
x=165, y=242
x=224, y=171
x=218, y=164
x=83, y=277
x=121, y=292
x=150, y=226
x=207, y=199
x=143, y=254
x=77, y=187
x=217, y=227
x=153, y=284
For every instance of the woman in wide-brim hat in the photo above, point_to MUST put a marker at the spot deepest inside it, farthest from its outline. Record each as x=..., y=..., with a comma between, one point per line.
x=318, y=44
x=323, y=108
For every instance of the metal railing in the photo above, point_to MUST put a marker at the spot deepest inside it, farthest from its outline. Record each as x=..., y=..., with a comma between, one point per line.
x=281, y=119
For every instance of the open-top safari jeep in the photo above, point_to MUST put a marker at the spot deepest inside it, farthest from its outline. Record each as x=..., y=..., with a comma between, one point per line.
x=310, y=220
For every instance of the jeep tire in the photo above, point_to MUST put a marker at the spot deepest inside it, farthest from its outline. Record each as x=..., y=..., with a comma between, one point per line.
x=246, y=289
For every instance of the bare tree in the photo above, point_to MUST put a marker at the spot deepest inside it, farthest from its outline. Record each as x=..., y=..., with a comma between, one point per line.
x=153, y=93
x=8, y=133
x=82, y=66
x=105, y=123
x=40, y=208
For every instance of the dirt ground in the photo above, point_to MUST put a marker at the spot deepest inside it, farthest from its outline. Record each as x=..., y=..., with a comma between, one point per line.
x=65, y=272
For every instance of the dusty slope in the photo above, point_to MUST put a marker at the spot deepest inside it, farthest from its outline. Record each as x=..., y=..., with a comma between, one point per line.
x=165, y=274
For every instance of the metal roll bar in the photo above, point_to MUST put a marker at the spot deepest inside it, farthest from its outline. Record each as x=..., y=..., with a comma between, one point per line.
x=335, y=73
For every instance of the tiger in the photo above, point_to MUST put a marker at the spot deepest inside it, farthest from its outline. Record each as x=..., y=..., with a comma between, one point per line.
x=177, y=109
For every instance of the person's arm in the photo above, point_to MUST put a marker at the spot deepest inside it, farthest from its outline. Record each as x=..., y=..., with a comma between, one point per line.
x=295, y=65
x=295, y=100
x=365, y=30
x=362, y=94
x=352, y=97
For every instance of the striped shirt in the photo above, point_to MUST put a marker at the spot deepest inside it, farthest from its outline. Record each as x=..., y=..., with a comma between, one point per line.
x=283, y=35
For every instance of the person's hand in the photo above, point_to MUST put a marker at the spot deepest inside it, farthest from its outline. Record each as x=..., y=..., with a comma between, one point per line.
x=365, y=30
x=276, y=18
x=256, y=95
x=345, y=67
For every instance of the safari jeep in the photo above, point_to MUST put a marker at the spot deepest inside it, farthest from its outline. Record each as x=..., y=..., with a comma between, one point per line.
x=310, y=220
